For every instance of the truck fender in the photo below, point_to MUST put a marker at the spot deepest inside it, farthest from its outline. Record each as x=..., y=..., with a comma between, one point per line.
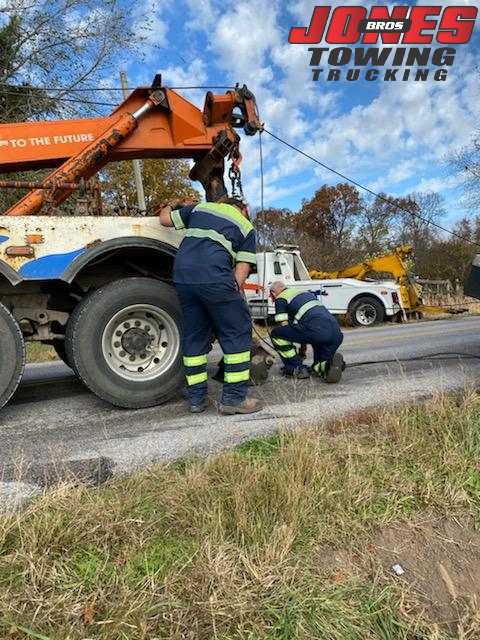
x=366, y=294
x=12, y=276
x=102, y=249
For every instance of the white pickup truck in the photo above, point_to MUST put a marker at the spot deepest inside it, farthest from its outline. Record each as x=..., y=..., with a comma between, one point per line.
x=364, y=303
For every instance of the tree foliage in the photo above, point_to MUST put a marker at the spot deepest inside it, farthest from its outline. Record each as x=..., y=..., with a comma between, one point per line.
x=163, y=180
x=59, y=45
x=337, y=227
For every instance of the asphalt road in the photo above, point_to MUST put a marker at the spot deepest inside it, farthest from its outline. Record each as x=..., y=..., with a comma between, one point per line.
x=54, y=427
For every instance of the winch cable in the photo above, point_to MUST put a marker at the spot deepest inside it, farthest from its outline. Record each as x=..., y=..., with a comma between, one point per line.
x=370, y=191
x=444, y=355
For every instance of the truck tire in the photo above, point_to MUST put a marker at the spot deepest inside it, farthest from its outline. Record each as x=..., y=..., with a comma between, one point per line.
x=125, y=339
x=12, y=355
x=365, y=312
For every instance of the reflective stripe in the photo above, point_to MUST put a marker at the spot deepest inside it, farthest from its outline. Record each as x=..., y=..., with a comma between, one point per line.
x=306, y=307
x=320, y=367
x=177, y=219
x=236, y=358
x=237, y=376
x=281, y=342
x=289, y=294
x=197, y=378
x=194, y=361
x=288, y=354
x=280, y=317
x=210, y=234
x=246, y=256
x=227, y=212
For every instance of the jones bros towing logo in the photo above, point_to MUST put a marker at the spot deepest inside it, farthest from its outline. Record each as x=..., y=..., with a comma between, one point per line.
x=400, y=25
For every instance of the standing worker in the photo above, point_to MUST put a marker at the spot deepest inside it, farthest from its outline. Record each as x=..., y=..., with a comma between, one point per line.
x=305, y=320
x=211, y=265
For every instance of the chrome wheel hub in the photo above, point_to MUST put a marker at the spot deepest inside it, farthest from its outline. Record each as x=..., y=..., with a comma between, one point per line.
x=366, y=314
x=140, y=342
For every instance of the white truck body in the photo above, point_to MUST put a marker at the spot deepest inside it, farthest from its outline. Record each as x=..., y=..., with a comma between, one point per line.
x=338, y=295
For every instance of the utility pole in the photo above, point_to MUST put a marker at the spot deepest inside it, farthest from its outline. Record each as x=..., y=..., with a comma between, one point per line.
x=137, y=168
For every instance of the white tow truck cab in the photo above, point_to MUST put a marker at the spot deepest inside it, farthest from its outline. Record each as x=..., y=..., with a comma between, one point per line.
x=364, y=303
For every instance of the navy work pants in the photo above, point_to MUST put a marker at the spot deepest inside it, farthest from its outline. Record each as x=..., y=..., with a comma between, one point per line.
x=209, y=311
x=321, y=330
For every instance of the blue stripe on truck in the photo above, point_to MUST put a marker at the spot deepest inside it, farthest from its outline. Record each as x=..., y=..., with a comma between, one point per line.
x=3, y=238
x=49, y=267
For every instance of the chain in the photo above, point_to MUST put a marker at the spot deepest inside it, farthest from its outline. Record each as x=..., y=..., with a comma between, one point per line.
x=235, y=176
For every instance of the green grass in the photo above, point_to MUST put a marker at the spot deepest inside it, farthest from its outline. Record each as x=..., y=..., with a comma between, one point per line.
x=234, y=547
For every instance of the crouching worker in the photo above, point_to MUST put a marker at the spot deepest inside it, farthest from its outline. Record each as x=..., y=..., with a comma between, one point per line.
x=211, y=265
x=304, y=320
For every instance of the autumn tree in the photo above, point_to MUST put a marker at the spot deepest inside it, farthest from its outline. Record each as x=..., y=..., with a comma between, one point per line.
x=163, y=180
x=377, y=218
x=275, y=227
x=415, y=224
x=325, y=225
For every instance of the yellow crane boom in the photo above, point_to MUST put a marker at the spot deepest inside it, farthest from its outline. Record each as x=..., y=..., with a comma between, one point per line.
x=394, y=264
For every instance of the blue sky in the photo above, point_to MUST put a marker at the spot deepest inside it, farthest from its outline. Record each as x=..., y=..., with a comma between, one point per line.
x=391, y=136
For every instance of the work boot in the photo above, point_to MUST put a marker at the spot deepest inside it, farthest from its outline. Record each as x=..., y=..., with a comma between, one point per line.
x=200, y=406
x=299, y=373
x=331, y=370
x=249, y=405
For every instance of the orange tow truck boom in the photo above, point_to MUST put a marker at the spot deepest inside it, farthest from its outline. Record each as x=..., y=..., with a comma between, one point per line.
x=153, y=122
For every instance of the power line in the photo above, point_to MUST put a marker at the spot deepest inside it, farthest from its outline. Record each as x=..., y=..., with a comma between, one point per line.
x=86, y=89
x=368, y=190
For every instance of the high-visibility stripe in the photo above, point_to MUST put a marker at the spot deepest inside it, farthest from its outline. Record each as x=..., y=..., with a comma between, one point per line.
x=289, y=294
x=197, y=378
x=237, y=376
x=281, y=317
x=194, y=361
x=281, y=350
x=236, y=358
x=210, y=234
x=227, y=212
x=246, y=256
x=281, y=342
x=291, y=353
x=177, y=219
x=320, y=367
x=306, y=307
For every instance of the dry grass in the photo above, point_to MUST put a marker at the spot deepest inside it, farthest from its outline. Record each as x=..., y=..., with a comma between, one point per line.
x=232, y=547
x=38, y=352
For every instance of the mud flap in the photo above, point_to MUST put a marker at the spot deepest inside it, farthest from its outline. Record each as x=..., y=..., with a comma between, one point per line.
x=472, y=283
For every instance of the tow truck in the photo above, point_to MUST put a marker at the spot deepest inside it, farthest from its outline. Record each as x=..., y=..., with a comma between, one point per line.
x=98, y=288
x=363, y=303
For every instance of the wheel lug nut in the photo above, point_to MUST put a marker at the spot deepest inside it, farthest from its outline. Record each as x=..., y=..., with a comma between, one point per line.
x=116, y=344
x=147, y=328
x=118, y=334
x=137, y=323
x=132, y=358
x=122, y=354
x=126, y=325
x=143, y=355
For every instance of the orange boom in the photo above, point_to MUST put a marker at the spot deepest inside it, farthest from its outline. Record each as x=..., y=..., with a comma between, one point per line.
x=152, y=122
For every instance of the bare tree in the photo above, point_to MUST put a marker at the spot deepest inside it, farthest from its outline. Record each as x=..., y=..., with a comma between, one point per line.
x=60, y=45
x=466, y=163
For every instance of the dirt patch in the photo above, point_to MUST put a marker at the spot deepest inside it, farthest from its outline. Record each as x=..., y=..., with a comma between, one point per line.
x=439, y=562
